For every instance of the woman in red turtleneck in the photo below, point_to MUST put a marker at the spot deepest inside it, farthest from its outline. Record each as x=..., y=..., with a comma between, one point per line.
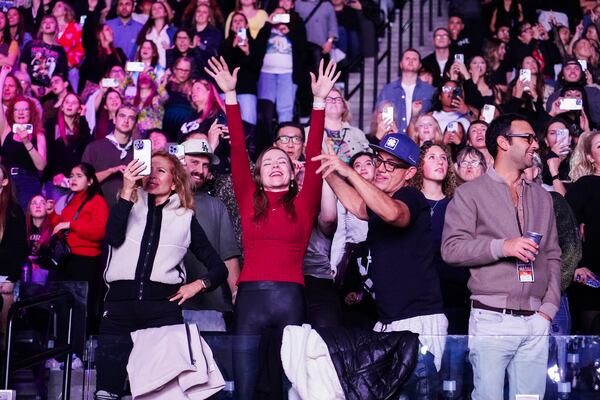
x=276, y=218
x=84, y=236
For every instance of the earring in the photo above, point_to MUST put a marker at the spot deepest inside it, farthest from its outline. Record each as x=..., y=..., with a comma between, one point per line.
x=292, y=183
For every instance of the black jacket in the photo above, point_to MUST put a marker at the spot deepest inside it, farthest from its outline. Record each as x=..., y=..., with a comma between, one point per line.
x=371, y=365
x=297, y=36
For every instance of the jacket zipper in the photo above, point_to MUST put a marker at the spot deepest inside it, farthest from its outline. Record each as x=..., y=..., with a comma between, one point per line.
x=147, y=256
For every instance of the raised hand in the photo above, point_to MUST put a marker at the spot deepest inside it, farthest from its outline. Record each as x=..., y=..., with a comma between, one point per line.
x=322, y=85
x=331, y=163
x=131, y=174
x=219, y=71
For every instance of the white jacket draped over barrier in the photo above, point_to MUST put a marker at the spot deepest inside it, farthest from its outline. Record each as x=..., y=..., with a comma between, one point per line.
x=308, y=366
x=172, y=362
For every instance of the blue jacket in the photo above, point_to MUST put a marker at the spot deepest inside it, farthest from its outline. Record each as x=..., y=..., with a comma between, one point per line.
x=393, y=92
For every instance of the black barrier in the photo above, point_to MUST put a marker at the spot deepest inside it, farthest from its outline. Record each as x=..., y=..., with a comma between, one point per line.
x=48, y=300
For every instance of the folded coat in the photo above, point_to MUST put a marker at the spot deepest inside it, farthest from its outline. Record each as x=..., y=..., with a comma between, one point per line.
x=172, y=362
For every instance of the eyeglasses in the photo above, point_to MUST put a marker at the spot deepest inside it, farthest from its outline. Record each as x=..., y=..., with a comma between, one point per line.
x=182, y=69
x=287, y=139
x=529, y=136
x=338, y=100
x=389, y=166
x=466, y=164
x=447, y=89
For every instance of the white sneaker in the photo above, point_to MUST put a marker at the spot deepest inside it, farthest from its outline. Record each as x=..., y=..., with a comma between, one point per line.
x=76, y=363
x=53, y=364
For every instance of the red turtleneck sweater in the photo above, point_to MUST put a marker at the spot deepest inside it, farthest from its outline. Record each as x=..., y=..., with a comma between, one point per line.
x=274, y=248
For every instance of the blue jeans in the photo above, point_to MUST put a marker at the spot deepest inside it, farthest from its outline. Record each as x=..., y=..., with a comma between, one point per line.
x=206, y=320
x=247, y=104
x=500, y=343
x=281, y=90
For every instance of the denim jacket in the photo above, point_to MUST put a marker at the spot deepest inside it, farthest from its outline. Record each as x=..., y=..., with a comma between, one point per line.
x=393, y=92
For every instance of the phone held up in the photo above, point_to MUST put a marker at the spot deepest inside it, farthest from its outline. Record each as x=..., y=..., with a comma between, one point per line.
x=142, y=151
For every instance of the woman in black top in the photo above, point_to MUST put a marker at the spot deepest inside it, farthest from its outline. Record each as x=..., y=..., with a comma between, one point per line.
x=67, y=135
x=100, y=52
x=583, y=196
x=239, y=52
x=13, y=243
x=23, y=151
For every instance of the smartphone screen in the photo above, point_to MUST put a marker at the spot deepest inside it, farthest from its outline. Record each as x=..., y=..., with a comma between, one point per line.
x=387, y=115
x=488, y=112
x=142, y=151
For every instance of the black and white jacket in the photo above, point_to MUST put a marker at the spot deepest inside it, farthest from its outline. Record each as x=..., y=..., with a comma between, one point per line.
x=147, y=246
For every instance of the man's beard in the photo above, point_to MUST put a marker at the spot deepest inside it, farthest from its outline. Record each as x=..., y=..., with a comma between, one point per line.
x=197, y=185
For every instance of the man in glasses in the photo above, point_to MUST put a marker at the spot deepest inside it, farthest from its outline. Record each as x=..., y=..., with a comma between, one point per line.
x=405, y=281
x=437, y=62
x=514, y=282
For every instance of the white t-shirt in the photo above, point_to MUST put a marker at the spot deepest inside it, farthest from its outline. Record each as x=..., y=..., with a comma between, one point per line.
x=442, y=65
x=278, y=57
x=408, y=95
x=445, y=117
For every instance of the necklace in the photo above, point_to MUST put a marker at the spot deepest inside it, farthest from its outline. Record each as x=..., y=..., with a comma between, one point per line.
x=433, y=208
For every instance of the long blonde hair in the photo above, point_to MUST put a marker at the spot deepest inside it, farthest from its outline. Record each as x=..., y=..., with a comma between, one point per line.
x=580, y=164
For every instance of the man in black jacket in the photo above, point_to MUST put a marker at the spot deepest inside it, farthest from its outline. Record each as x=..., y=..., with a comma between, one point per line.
x=439, y=62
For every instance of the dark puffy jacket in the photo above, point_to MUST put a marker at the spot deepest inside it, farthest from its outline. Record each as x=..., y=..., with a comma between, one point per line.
x=371, y=365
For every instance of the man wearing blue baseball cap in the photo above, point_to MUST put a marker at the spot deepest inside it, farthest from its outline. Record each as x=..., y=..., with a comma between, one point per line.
x=405, y=281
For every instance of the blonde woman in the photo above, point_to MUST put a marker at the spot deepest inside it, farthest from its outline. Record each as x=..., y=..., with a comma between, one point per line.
x=149, y=231
x=425, y=129
x=583, y=196
x=255, y=16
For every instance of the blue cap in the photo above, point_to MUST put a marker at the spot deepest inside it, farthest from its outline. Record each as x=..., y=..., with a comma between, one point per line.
x=400, y=146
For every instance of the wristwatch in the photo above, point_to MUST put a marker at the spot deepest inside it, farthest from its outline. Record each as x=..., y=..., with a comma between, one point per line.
x=206, y=283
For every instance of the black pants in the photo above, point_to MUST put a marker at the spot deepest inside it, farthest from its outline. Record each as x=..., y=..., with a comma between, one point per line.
x=260, y=307
x=114, y=342
x=86, y=319
x=322, y=302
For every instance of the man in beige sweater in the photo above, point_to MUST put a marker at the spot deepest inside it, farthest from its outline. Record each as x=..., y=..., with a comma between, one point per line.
x=485, y=229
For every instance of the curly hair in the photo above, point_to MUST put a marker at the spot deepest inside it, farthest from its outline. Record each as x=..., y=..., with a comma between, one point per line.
x=449, y=182
x=34, y=116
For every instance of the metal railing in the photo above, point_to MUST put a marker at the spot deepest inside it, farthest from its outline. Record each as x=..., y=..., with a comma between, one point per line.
x=49, y=300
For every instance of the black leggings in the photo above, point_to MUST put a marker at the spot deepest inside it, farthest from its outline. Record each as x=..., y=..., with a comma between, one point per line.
x=261, y=307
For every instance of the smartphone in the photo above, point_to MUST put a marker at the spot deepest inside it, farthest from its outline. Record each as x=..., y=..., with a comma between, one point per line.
x=488, y=112
x=82, y=20
x=134, y=66
x=109, y=83
x=176, y=149
x=459, y=58
x=592, y=283
x=562, y=136
x=387, y=115
x=242, y=35
x=457, y=92
x=525, y=75
x=25, y=127
x=281, y=18
x=452, y=126
x=583, y=64
x=221, y=118
x=142, y=150
x=571, y=104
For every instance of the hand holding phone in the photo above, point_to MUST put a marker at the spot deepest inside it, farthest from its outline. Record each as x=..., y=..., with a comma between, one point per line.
x=242, y=36
x=109, y=83
x=387, y=115
x=142, y=151
x=459, y=58
x=570, y=104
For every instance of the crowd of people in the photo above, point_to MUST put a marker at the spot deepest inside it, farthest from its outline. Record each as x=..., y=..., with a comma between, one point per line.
x=468, y=206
